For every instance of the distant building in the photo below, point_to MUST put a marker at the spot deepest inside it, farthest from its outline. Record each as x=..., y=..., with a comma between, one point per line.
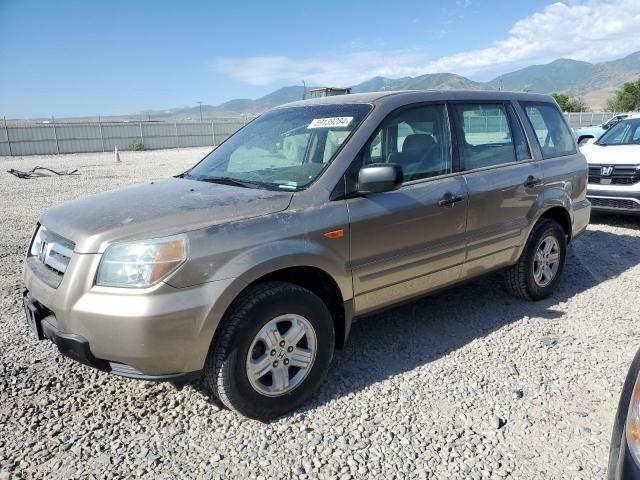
x=328, y=92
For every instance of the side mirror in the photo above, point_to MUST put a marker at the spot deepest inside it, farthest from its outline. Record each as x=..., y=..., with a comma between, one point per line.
x=606, y=126
x=379, y=177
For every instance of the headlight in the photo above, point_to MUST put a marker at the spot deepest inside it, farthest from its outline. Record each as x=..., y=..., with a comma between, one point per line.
x=143, y=263
x=633, y=423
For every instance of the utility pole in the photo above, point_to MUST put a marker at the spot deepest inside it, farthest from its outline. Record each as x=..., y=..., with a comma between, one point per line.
x=199, y=102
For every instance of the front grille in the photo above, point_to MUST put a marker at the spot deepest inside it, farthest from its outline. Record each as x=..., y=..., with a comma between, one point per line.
x=49, y=256
x=620, y=175
x=614, y=203
x=614, y=181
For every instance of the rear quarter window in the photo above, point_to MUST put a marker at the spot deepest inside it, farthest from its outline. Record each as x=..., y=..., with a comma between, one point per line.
x=551, y=130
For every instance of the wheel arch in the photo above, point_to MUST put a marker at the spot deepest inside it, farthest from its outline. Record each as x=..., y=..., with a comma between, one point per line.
x=300, y=263
x=561, y=216
x=324, y=286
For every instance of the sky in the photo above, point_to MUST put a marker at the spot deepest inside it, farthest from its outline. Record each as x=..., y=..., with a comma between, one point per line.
x=77, y=58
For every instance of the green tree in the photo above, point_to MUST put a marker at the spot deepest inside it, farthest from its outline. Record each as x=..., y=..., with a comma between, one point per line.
x=627, y=99
x=570, y=104
x=563, y=101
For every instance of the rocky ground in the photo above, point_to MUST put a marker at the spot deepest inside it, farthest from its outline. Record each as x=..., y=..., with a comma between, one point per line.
x=466, y=384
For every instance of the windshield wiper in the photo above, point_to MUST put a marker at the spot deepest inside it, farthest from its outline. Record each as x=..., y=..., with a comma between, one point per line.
x=231, y=181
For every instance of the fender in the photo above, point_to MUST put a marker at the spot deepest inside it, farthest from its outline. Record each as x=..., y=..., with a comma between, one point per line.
x=557, y=196
x=266, y=259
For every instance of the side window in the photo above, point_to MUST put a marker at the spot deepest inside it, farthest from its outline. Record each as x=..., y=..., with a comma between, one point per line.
x=552, y=132
x=417, y=139
x=376, y=148
x=522, y=147
x=487, y=138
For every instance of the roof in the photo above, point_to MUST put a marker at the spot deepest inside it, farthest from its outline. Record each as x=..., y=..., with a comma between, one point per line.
x=420, y=96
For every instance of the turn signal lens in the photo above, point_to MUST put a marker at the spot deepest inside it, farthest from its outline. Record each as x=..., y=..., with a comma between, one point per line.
x=333, y=234
x=633, y=423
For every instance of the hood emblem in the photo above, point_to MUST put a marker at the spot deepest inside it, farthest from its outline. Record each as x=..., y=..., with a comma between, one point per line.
x=606, y=171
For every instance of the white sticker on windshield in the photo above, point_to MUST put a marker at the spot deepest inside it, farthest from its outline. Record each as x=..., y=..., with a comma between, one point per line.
x=330, y=122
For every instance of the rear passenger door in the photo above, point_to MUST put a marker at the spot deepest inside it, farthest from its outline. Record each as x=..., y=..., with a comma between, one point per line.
x=503, y=181
x=564, y=167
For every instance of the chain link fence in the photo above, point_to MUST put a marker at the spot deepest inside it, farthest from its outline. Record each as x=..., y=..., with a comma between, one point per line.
x=587, y=119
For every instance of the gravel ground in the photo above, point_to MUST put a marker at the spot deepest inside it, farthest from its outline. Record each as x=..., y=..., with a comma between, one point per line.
x=468, y=383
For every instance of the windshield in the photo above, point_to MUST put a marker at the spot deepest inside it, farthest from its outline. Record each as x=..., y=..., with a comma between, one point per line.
x=626, y=132
x=284, y=149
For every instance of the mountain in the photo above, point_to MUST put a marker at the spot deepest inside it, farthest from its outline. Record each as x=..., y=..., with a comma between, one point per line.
x=278, y=97
x=239, y=105
x=378, y=84
x=442, y=81
x=595, y=82
x=561, y=75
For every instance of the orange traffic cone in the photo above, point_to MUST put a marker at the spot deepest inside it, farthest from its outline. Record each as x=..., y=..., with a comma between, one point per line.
x=116, y=155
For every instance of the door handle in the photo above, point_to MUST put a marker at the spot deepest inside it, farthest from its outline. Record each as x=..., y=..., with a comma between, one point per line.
x=449, y=199
x=532, y=181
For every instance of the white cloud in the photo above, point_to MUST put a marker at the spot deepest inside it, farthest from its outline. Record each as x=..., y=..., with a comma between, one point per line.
x=345, y=69
x=591, y=30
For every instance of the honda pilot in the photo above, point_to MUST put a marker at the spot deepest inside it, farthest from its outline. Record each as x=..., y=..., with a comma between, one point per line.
x=248, y=270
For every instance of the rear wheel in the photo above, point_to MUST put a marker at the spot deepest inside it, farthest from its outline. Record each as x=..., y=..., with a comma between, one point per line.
x=540, y=266
x=274, y=349
x=583, y=141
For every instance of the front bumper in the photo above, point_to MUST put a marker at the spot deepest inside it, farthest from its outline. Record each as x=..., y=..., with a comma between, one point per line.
x=161, y=333
x=615, y=200
x=77, y=348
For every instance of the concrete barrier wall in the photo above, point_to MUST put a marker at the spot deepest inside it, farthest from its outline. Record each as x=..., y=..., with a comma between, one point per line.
x=54, y=138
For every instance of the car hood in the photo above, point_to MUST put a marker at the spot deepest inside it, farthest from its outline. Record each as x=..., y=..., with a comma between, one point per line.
x=155, y=209
x=612, y=154
x=593, y=128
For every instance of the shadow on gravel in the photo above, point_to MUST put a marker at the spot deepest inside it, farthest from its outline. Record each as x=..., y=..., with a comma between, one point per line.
x=406, y=337
x=403, y=338
x=621, y=221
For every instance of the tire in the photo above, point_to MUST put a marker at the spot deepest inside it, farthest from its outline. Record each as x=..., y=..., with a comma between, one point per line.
x=520, y=279
x=269, y=307
x=583, y=141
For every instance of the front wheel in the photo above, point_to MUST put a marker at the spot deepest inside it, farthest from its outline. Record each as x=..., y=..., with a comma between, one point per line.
x=540, y=266
x=273, y=350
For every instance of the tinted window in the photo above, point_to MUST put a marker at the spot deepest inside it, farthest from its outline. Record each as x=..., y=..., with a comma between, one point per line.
x=417, y=139
x=487, y=136
x=552, y=132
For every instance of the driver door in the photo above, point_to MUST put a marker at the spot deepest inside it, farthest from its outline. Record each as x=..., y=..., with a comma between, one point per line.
x=407, y=242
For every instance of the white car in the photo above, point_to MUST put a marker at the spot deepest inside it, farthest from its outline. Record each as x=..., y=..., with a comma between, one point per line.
x=614, y=168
